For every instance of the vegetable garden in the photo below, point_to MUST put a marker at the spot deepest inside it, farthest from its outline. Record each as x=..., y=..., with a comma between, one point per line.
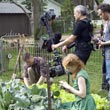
x=14, y=95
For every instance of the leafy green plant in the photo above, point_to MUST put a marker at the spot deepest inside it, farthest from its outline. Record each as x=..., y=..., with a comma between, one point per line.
x=14, y=95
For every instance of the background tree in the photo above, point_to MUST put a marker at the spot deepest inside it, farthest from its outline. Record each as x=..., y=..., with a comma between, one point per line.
x=37, y=11
x=27, y=4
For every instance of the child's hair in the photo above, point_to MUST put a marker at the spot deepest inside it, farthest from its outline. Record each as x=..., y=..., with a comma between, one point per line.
x=73, y=60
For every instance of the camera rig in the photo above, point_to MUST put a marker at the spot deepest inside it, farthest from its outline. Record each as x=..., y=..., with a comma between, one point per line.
x=44, y=20
x=55, y=67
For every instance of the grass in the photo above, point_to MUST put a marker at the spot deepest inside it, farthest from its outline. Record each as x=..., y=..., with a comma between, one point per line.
x=93, y=67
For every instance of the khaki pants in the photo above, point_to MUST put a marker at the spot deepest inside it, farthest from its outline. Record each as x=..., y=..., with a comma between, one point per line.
x=32, y=76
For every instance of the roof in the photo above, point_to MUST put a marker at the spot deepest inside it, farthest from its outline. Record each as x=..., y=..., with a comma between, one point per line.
x=11, y=8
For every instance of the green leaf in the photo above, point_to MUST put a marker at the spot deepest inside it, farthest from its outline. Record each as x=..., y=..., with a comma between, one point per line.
x=22, y=101
x=39, y=108
x=56, y=93
x=7, y=98
x=34, y=90
x=43, y=92
x=36, y=98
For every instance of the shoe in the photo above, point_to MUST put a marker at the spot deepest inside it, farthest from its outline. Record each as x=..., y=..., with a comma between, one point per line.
x=108, y=97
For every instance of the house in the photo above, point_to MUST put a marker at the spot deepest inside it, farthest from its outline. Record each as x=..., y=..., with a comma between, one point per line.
x=106, y=1
x=51, y=4
x=13, y=19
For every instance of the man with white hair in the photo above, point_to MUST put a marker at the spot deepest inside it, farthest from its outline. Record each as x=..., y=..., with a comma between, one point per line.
x=81, y=35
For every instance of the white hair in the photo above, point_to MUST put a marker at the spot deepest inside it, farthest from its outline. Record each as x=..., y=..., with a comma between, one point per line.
x=82, y=9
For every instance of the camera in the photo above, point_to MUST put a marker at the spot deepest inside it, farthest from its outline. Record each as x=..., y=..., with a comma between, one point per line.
x=95, y=43
x=48, y=42
x=95, y=40
x=56, y=68
x=47, y=16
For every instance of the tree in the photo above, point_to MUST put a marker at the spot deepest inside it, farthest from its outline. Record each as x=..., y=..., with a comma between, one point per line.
x=36, y=13
x=27, y=4
x=67, y=8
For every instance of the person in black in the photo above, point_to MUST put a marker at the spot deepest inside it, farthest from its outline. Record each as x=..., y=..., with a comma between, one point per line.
x=81, y=35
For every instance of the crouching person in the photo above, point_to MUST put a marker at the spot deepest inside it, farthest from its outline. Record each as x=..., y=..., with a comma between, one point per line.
x=81, y=85
x=35, y=70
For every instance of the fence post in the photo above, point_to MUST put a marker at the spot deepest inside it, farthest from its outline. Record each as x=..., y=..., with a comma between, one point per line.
x=19, y=61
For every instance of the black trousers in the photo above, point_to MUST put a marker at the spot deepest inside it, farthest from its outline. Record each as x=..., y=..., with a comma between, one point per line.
x=83, y=50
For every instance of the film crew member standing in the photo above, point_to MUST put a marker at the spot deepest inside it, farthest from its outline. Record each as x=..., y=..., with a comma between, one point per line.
x=81, y=35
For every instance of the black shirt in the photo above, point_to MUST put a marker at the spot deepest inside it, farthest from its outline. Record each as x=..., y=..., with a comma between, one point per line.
x=82, y=30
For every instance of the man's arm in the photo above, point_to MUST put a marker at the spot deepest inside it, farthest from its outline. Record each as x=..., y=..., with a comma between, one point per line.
x=25, y=76
x=44, y=70
x=67, y=41
x=26, y=81
x=41, y=80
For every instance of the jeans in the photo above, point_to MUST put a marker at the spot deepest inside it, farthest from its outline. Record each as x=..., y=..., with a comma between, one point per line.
x=108, y=69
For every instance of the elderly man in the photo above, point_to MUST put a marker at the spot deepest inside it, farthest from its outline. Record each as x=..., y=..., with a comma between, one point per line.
x=81, y=35
x=35, y=70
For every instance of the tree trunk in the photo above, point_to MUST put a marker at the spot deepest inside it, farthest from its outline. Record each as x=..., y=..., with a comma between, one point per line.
x=36, y=9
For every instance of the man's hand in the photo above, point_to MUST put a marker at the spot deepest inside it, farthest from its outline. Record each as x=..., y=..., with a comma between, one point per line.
x=100, y=43
x=54, y=46
x=64, y=49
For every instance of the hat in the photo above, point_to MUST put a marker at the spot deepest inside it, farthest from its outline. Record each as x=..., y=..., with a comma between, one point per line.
x=26, y=56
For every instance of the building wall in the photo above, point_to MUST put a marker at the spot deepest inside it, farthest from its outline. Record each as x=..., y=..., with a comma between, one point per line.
x=14, y=23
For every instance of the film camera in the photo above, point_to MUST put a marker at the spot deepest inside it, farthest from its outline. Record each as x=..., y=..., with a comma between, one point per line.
x=95, y=41
x=55, y=67
x=47, y=16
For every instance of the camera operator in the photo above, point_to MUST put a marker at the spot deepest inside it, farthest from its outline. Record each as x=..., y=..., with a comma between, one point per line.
x=81, y=35
x=104, y=13
x=35, y=70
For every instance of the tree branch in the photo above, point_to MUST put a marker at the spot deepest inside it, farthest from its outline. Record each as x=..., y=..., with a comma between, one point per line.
x=22, y=9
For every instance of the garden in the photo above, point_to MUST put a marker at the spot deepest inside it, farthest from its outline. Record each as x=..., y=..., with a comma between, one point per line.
x=14, y=95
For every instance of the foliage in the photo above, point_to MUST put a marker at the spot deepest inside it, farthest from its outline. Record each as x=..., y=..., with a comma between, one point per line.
x=27, y=3
x=14, y=95
x=67, y=8
x=59, y=1
x=100, y=1
x=101, y=103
